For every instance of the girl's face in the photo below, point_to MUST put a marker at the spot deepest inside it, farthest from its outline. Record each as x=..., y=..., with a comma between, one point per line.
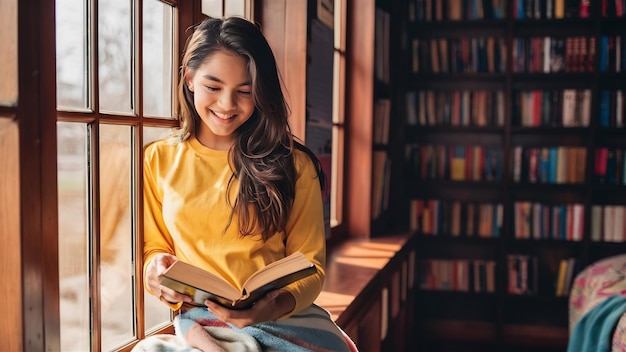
x=222, y=89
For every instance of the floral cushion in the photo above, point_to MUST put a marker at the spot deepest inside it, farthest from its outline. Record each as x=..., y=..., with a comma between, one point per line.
x=594, y=284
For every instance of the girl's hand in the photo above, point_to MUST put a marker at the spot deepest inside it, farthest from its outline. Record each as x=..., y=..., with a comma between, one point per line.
x=155, y=268
x=274, y=305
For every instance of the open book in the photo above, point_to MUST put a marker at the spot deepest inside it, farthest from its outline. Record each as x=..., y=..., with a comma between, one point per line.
x=202, y=285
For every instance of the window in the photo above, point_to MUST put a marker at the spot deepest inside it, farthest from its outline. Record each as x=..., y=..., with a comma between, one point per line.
x=115, y=77
x=223, y=8
x=116, y=73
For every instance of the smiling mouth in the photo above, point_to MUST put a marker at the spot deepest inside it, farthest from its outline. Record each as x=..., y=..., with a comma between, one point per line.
x=222, y=116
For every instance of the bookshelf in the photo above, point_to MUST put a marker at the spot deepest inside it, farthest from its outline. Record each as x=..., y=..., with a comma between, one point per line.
x=514, y=146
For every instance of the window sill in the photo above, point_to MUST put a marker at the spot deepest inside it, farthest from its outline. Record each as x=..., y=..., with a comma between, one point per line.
x=355, y=272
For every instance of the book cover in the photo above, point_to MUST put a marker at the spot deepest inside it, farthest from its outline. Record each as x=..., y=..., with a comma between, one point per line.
x=378, y=182
x=485, y=223
x=596, y=223
x=560, y=280
x=512, y=274
x=546, y=106
x=202, y=285
x=498, y=217
x=557, y=54
x=455, y=227
x=619, y=108
x=569, y=275
x=455, y=10
x=608, y=214
x=547, y=46
x=458, y=163
x=411, y=108
x=568, y=118
x=470, y=220
x=415, y=46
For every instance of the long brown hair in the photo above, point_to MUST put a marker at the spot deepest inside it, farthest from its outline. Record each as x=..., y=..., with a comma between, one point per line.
x=262, y=157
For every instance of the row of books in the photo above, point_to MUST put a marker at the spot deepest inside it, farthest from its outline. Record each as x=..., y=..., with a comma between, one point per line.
x=547, y=9
x=465, y=275
x=531, y=220
x=612, y=108
x=607, y=223
x=612, y=54
x=553, y=165
x=458, y=275
x=531, y=108
x=454, y=162
x=538, y=221
x=554, y=108
x=531, y=54
x=610, y=166
x=613, y=8
x=455, y=10
x=551, y=9
x=452, y=218
x=554, y=54
x=522, y=274
x=455, y=108
x=458, y=55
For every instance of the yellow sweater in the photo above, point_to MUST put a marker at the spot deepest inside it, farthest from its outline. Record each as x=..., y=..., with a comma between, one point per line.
x=185, y=212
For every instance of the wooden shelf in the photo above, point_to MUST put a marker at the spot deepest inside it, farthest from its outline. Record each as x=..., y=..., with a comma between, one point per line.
x=534, y=335
x=434, y=329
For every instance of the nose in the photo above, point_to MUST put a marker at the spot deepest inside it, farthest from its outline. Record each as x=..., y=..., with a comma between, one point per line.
x=227, y=101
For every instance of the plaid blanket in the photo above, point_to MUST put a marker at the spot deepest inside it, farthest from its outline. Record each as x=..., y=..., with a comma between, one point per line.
x=198, y=330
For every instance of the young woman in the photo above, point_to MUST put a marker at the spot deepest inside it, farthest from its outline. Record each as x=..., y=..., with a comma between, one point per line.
x=231, y=191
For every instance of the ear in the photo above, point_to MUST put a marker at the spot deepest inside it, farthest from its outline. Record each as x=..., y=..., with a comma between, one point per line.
x=188, y=79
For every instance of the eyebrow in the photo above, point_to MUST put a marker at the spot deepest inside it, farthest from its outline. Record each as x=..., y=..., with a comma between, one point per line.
x=213, y=78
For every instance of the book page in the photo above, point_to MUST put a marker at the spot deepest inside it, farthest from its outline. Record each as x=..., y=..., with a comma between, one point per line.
x=198, y=278
x=273, y=271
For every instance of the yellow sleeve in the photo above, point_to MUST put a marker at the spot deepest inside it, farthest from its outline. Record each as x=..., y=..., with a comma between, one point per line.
x=305, y=232
x=156, y=237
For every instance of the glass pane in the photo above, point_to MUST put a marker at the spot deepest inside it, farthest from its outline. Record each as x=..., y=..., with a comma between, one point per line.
x=158, y=51
x=235, y=8
x=320, y=103
x=8, y=54
x=73, y=236
x=115, y=56
x=212, y=8
x=151, y=134
x=71, y=55
x=116, y=236
x=156, y=313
